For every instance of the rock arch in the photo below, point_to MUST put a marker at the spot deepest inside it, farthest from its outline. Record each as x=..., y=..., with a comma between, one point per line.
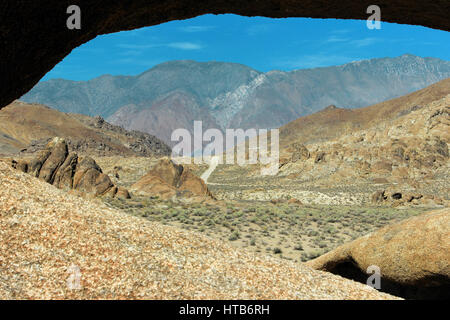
x=34, y=36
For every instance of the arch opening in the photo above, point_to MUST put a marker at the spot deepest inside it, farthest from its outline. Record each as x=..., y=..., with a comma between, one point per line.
x=36, y=36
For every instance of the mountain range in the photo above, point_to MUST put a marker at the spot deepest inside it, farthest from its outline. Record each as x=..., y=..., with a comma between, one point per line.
x=223, y=95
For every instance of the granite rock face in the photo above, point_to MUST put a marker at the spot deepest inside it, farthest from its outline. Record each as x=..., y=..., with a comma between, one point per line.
x=413, y=257
x=55, y=165
x=58, y=151
x=167, y=179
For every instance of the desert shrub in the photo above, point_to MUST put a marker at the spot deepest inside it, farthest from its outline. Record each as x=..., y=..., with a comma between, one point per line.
x=277, y=251
x=304, y=257
x=314, y=254
x=234, y=236
x=322, y=244
x=330, y=229
x=313, y=233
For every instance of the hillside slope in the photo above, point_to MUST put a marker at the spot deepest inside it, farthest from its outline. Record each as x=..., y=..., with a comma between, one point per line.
x=393, y=153
x=45, y=233
x=29, y=127
x=333, y=122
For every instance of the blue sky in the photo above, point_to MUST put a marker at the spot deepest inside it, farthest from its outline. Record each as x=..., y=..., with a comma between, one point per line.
x=261, y=43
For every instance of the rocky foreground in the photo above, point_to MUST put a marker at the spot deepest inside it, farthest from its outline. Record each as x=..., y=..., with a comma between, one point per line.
x=46, y=234
x=413, y=257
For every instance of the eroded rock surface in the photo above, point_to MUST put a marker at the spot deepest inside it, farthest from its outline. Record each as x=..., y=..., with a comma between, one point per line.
x=167, y=179
x=413, y=257
x=65, y=170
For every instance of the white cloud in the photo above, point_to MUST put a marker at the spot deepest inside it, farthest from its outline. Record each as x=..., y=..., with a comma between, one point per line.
x=139, y=48
x=191, y=29
x=185, y=45
x=131, y=53
x=334, y=39
x=364, y=42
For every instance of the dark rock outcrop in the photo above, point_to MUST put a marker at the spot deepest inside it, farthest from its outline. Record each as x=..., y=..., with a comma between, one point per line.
x=58, y=151
x=141, y=143
x=34, y=167
x=20, y=165
x=396, y=197
x=57, y=166
x=64, y=176
x=90, y=179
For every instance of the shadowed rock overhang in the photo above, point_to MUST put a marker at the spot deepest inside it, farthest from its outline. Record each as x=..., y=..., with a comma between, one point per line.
x=34, y=36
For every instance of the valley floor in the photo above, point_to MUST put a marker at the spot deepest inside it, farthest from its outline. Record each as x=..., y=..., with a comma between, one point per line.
x=297, y=233
x=319, y=221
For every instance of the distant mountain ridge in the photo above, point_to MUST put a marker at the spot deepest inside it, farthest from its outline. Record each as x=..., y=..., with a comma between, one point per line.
x=229, y=95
